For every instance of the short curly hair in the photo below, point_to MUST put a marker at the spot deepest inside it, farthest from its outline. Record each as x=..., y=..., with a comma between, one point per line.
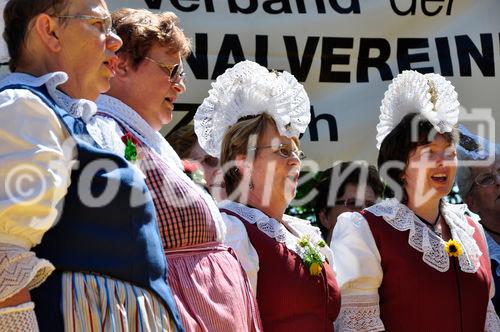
x=141, y=29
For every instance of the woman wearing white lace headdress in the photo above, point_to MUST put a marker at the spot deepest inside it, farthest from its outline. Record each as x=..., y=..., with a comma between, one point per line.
x=251, y=120
x=418, y=263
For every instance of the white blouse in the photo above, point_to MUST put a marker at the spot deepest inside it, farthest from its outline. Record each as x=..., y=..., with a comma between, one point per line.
x=237, y=237
x=358, y=261
x=36, y=158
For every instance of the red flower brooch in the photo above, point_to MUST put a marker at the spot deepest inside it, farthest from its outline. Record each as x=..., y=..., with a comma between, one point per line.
x=131, y=146
x=194, y=171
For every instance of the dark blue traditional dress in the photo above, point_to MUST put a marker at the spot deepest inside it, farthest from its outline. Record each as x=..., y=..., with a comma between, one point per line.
x=93, y=210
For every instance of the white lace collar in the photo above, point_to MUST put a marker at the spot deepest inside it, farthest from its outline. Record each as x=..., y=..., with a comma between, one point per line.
x=276, y=230
x=131, y=120
x=77, y=108
x=429, y=243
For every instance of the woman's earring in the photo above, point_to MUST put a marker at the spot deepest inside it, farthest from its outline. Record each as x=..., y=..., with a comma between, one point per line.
x=250, y=185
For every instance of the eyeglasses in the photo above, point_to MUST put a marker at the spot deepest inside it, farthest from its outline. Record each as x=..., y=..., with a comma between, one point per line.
x=284, y=150
x=354, y=204
x=488, y=179
x=104, y=24
x=175, y=72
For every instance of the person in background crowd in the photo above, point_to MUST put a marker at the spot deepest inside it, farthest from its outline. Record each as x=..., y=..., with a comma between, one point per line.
x=479, y=187
x=418, y=264
x=210, y=287
x=252, y=119
x=185, y=143
x=109, y=267
x=341, y=195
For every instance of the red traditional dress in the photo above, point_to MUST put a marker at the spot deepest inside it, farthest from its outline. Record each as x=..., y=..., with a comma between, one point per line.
x=210, y=287
x=395, y=274
x=289, y=297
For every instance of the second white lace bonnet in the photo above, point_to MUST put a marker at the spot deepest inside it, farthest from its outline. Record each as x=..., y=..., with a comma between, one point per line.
x=250, y=89
x=431, y=95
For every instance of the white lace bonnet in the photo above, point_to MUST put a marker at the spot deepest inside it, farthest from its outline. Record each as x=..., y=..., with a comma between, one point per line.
x=250, y=89
x=428, y=94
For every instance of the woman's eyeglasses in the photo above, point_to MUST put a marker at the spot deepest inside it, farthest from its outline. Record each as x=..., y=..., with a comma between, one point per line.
x=175, y=72
x=488, y=179
x=105, y=24
x=284, y=150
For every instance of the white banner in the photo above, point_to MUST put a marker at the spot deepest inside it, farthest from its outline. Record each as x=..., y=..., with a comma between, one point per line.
x=345, y=52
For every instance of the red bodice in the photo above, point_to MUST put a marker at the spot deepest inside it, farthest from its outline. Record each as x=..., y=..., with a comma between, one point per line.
x=289, y=298
x=417, y=297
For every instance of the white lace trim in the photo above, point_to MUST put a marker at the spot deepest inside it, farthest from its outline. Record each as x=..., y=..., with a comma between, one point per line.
x=139, y=127
x=77, y=108
x=19, y=318
x=359, y=313
x=276, y=230
x=492, y=323
x=429, y=243
x=20, y=268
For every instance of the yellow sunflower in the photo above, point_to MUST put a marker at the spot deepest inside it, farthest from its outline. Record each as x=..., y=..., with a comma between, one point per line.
x=453, y=248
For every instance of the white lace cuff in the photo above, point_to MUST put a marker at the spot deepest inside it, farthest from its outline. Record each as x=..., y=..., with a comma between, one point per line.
x=20, y=268
x=19, y=318
x=492, y=321
x=359, y=313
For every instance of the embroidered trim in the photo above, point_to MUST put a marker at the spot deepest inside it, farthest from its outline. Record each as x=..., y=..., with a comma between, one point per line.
x=492, y=323
x=276, y=230
x=424, y=240
x=359, y=313
x=20, y=268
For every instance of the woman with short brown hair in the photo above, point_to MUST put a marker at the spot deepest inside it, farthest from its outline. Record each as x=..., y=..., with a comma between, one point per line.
x=210, y=289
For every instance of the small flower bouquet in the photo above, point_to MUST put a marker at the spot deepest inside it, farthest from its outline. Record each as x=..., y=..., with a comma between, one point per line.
x=194, y=171
x=131, y=146
x=311, y=255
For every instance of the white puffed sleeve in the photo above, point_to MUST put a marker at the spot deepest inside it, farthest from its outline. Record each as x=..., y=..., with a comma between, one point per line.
x=237, y=238
x=359, y=274
x=35, y=164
